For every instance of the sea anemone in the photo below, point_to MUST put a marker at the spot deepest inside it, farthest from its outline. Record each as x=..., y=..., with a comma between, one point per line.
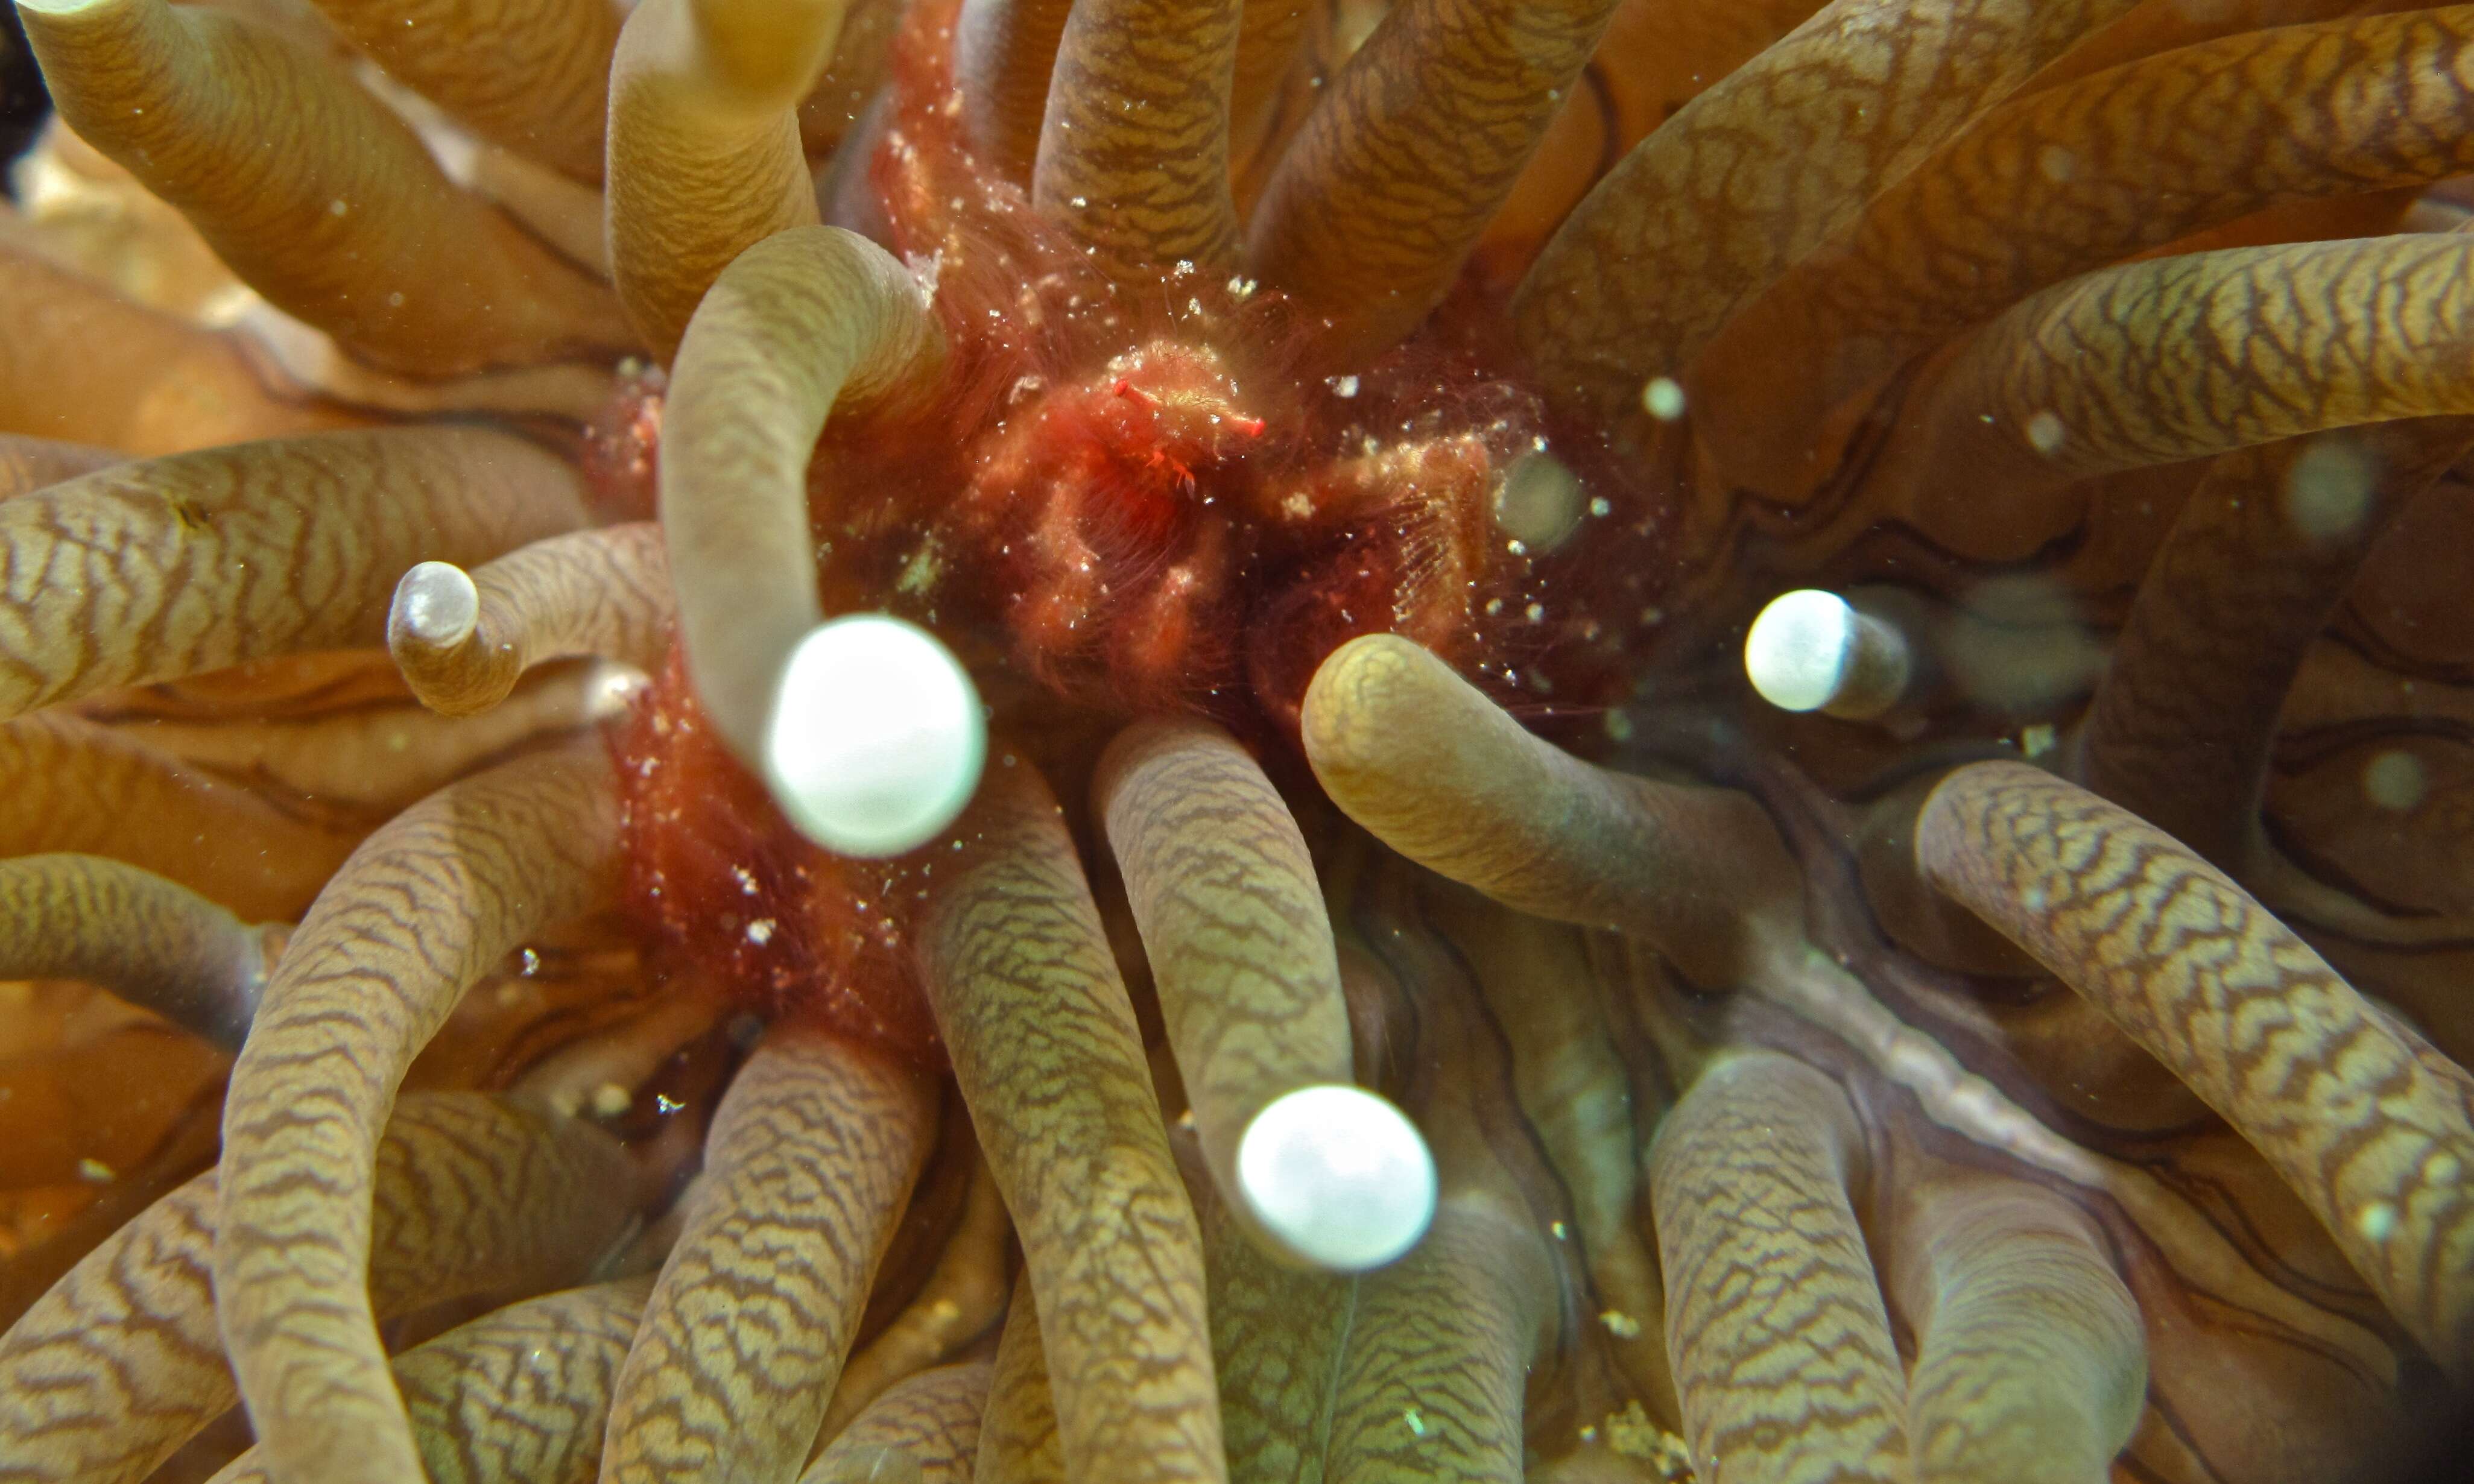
x=1146, y=739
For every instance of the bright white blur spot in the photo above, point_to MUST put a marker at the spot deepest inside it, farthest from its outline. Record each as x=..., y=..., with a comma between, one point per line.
x=2328, y=489
x=2045, y=432
x=876, y=739
x=1336, y=1174
x=1800, y=649
x=1539, y=502
x=2395, y=781
x=1663, y=398
x=437, y=604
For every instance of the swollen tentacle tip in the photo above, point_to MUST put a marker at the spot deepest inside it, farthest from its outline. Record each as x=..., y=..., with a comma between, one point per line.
x=436, y=607
x=1812, y=650
x=1338, y=1175
x=876, y=738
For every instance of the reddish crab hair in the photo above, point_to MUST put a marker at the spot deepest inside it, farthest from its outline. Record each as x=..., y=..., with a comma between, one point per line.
x=1128, y=493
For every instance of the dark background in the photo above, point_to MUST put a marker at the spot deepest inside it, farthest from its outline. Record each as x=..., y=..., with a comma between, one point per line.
x=22, y=104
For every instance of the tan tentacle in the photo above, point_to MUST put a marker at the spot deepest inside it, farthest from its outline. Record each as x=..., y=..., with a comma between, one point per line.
x=929, y=1422
x=70, y=787
x=801, y=323
x=1018, y=1436
x=518, y=1393
x=464, y=639
x=2263, y=551
x=1439, y=1349
x=2372, y=1129
x=29, y=464
x=1234, y=929
x=810, y=1161
x=2176, y=358
x=151, y=942
x=1382, y=194
x=1133, y=150
x=2031, y=1364
x=1442, y=776
x=1782, y=1345
x=963, y=1298
x=123, y=1359
x=532, y=75
x=2044, y=188
x=374, y=752
x=1754, y=173
x=316, y=195
x=79, y=363
x=1049, y=1057
x=1277, y=1335
x=1004, y=52
x=705, y=158
x=198, y=561
x=422, y=909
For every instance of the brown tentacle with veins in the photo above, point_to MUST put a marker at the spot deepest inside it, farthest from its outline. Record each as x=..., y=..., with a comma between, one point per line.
x=811, y=1157
x=518, y=1393
x=1850, y=247
x=419, y=912
x=1046, y=1051
x=115, y=1367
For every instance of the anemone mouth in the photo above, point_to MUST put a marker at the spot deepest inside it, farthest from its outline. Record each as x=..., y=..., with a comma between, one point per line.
x=1754, y=777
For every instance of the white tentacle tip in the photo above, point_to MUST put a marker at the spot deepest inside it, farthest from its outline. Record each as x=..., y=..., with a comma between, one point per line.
x=1338, y=1175
x=876, y=738
x=436, y=606
x=1810, y=650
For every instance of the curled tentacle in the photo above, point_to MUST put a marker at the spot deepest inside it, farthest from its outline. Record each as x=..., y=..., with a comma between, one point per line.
x=168, y=567
x=810, y=1161
x=1439, y=773
x=124, y=1358
x=2373, y=1129
x=422, y=909
x=151, y=942
x=339, y=217
x=1046, y=1050
x=462, y=638
x=801, y=323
